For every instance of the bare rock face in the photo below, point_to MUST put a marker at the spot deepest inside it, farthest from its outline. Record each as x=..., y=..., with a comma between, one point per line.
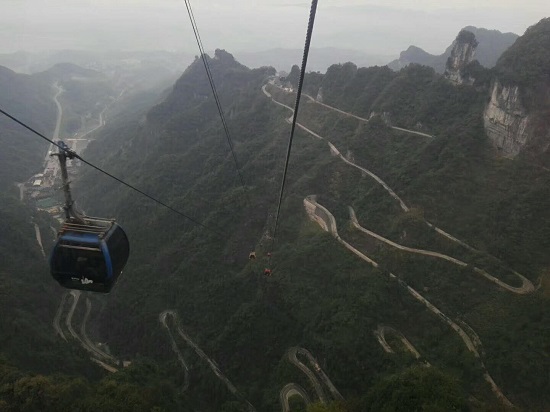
x=319, y=96
x=463, y=52
x=517, y=118
x=506, y=120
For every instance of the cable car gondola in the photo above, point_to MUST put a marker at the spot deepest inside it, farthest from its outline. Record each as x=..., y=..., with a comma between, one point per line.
x=90, y=253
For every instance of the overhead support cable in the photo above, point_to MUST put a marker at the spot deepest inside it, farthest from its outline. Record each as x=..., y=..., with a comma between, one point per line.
x=154, y=199
x=213, y=87
x=311, y=22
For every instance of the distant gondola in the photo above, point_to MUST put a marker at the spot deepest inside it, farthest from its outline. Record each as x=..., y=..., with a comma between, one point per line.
x=90, y=253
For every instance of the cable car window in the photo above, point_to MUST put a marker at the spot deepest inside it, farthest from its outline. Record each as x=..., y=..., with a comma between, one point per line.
x=80, y=263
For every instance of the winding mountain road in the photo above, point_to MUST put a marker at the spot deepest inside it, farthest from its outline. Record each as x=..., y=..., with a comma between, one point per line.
x=175, y=349
x=526, y=287
x=289, y=390
x=55, y=136
x=363, y=119
x=292, y=352
x=313, y=362
x=163, y=320
x=85, y=342
x=319, y=213
x=380, y=334
x=91, y=346
x=59, y=112
x=68, y=321
x=57, y=317
x=39, y=239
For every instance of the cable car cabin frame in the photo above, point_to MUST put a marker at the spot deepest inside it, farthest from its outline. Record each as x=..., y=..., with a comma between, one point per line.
x=89, y=256
x=90, y=252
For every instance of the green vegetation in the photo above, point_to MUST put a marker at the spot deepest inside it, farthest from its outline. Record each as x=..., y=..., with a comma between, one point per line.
x=142, y=387
x=526, y=64
x=416, y=389
x=321, y=296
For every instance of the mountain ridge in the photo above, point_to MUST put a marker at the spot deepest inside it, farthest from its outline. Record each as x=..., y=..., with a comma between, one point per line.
x=492, y=43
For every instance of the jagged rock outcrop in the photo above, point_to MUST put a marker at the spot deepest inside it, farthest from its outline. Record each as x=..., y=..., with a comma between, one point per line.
x=492, y=43
x=462, y=54
x=506, y=120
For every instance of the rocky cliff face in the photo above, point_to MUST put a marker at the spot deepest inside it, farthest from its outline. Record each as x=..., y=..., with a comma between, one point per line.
x=517, y=118
x=462, y=54
x=506, y=120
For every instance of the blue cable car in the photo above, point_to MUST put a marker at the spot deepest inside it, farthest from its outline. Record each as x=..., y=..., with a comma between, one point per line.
x=89, y=256
x=90, y=252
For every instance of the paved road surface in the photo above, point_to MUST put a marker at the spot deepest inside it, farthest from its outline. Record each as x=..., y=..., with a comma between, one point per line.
x=163, y=319
x=91, y=346
x=55, y=136
x=57, y=317
x=526, y=287
x=380, y=334
x=39, y=239
x=292, y=352
x=21, y=187
x=289, y=390
x=313, y=362
x=83, y=342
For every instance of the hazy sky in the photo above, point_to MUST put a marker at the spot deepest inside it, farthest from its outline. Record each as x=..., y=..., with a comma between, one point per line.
x=373, y=26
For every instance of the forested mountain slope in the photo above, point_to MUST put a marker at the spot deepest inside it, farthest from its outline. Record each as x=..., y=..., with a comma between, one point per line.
x=322, y=297
x=31, y=352
x=30, y=99
x=28, y=297
x=202, y=321
x=516, y=117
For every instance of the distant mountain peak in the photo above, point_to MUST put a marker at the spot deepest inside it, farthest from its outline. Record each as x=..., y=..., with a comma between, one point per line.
x=223, y=55
x=462, y=54
x=491, y=44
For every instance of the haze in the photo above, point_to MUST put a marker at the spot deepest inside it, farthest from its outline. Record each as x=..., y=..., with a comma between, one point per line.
x=371, y=26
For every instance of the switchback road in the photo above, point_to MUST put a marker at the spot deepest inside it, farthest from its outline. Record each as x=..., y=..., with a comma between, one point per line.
x=292, y=352
x=57, y=317
x=163, y=320
x=85, y=342
x=289, y=390
x=319, y=214
x=526, y=287
x=380, y=334
x=175, y=348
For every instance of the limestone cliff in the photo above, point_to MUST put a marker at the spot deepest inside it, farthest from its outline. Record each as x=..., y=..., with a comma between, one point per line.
x=517, y=117
x=462, y=54
x=506, y=120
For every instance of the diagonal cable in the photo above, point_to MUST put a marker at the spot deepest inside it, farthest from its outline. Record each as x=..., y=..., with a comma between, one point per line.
x=213, y=87
x=109, y=174
x=295, y=115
